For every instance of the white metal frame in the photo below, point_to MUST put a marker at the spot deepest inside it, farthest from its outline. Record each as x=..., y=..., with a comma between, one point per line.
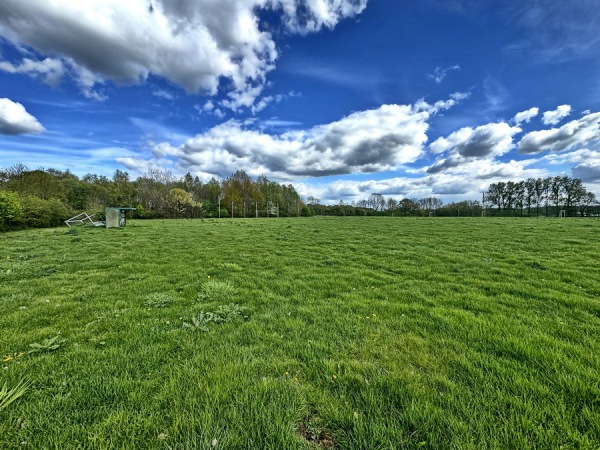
x=84, y=219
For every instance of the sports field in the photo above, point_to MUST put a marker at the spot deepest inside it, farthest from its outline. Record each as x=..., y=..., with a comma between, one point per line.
x=347, y=333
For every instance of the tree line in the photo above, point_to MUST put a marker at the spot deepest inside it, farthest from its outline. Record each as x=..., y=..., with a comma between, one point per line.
x=551, y=196
x=47, y=197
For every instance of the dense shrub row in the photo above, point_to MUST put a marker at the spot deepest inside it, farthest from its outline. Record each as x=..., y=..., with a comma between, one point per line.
x=45, y=198
x=30, y=211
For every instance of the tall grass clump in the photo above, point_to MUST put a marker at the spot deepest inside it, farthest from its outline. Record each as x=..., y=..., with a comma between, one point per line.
x=157, y=300
x=217, y=291
x=9, y=396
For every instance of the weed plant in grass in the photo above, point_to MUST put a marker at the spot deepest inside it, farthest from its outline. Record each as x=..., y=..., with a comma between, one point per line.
x=349, y=333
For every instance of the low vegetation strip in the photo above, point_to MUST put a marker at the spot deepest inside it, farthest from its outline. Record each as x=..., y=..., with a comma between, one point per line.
x=349, y=333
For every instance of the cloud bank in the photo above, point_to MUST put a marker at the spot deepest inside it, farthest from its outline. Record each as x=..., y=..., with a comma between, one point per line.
x=588, y=171
x=464, y=181
x=201, y=45
x=387, y=138
x=14, y=119
x=366, y=141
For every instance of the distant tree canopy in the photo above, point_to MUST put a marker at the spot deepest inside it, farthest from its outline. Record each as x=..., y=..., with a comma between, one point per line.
x=377, y=205
x=46, y=197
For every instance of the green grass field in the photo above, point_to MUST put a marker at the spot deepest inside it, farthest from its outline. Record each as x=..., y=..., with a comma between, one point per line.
x=349, y=333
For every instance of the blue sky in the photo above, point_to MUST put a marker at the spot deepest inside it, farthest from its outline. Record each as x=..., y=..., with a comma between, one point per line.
x=339, y=97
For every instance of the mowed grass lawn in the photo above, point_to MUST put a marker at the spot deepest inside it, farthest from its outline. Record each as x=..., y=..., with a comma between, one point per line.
x=349, y=333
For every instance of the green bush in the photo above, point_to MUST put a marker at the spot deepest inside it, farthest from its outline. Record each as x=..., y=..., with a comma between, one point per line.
x=11, y=210
x=143, y=213
x=39, y=213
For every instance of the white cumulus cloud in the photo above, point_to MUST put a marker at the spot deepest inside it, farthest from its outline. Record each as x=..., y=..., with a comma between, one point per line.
x=577, y=133
x=304, y=16
x=14, y=119
x=51, y=70
x=193, y=43
x=525, y=116
x=467, y=144
x=554, y=117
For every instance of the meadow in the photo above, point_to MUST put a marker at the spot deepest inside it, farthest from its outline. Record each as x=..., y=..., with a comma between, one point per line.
x=347, y=333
